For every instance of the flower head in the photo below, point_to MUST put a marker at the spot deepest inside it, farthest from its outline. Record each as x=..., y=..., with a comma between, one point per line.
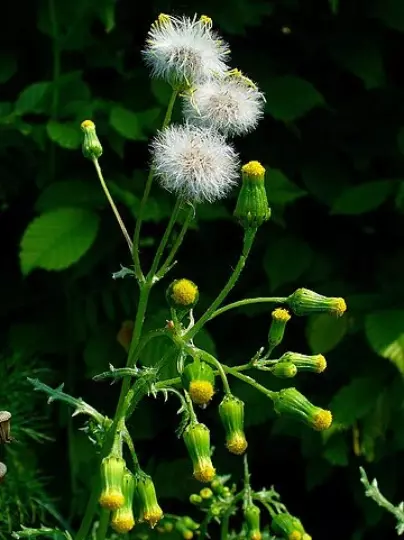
x=182, y=294
x=232, y=104
x=199, y=380
x=194, y=162
x=185, y=51
x=197, y=440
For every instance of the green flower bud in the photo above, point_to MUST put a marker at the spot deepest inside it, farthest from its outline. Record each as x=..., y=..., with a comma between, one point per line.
x=165, y=526
x=195, y=499
x=290, y=401
x=288, y=527
x=252, y=519
x=280, y=317
x=123, y=520
x=199, y=380
x=113, y=469
x=284, y=370
x=182, y=295
x=315, y=363
x=306, y=302
x=183, y=530
x=206, y=493
x=197, y=440
x=252, y=208
x=231, y=411
x=190, y=523
x=145, y=496
x=92, y=148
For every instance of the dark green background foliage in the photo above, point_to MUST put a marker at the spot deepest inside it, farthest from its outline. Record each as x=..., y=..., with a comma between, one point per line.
x=333, y=141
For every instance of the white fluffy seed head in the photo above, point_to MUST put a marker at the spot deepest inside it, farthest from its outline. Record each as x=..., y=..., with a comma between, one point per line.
x=231, y=104
x=185, y=51
x=195, y=163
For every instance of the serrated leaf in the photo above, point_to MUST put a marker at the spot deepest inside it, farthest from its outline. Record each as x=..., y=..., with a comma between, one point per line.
x=289, y=98
x=70, y=193
x=280, y=190
x=8, y=67
x=363, y=198
x=385, y=333
x=57, y=239
x=126, y=123
x=33, y=98
x=324, y=332
x=65, y=135
x=355, y=400
x=286, y=259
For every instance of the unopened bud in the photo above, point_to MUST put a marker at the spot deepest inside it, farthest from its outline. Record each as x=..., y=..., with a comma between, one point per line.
x=145, y=495
x=197, y=440
x=231, y=411
x=291, y=402
x=182, y=295
x=315, y=363
x=306, y=302
x=92, y=148
x=113, y=469
x=206, y=493
x=199, y=380
x=252, y=208
x=252, y=519
x=284, y=370
x=123, y=520
x=280, y=317
x=289, y=527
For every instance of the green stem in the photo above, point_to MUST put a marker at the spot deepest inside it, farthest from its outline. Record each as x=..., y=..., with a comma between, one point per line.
x=203, y=531
x=224, y=529
x=111, y=202
x=250, y=381
x=247, y=244
x=103, y=524
x=166, y=266
x=165, y=238
x=146, y=193
x=135, y=353
x=134, y=349
x=214, y=362
x=246, y=301
x=129, y=443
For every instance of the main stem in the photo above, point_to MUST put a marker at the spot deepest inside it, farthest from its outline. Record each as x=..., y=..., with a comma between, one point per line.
x=248, y=241
x=146, y=193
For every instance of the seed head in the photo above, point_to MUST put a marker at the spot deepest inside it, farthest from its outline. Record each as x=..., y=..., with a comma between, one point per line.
x=194, y=163
x=232, y=104
x=185, y=51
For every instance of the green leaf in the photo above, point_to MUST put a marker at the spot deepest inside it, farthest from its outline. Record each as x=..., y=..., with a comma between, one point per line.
x=289, y=98
x=337, y=450
x=70, y=193
x=126, y=123
x=286, y=259
x=355, y=400
x=363, y=198
x=33, y=98
x=65, y=135
x=326, y=177
x=280, y=190
x=324, y=332
x=161, y=90
x=105, y=10
x=8, y=67
x=385, y=333
x=334, y=6
x=391, y=12
x=362, y=57
x=57, y=239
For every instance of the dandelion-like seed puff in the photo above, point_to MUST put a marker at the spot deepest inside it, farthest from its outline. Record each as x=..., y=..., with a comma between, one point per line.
x=232, y=104
x=195, y=163
x=185, y=51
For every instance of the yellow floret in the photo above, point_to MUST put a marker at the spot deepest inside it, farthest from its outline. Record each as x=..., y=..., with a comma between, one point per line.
x=206, y=493
x=321, y=363
x=123, y=523
x=281, y=314
x=87, y=124
x=237, y=444
x=339, y=307
x=201, y=392
x=206, y=20
x=111, y=500
x=256, y=535
x=184, y=292
x=204, y=472
x=253, y=169
x=322, y=420
x=295, y=535
x=187, y=535
x=153, y=516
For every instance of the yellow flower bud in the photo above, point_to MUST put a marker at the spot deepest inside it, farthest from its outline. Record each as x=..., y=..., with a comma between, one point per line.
x=231, y=411
x=113, y=469
x=280, y=317
x=288, y=527
x=252, y=208
x=306, y=302
x=123, y=520
x=197, y=440
x=198, y=378
x=145, y=496
x=315, y=363
x=92, y=148
x=290, y=401
x=182, y=294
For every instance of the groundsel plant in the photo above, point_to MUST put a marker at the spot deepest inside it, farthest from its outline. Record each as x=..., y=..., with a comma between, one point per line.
x=196, y=163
